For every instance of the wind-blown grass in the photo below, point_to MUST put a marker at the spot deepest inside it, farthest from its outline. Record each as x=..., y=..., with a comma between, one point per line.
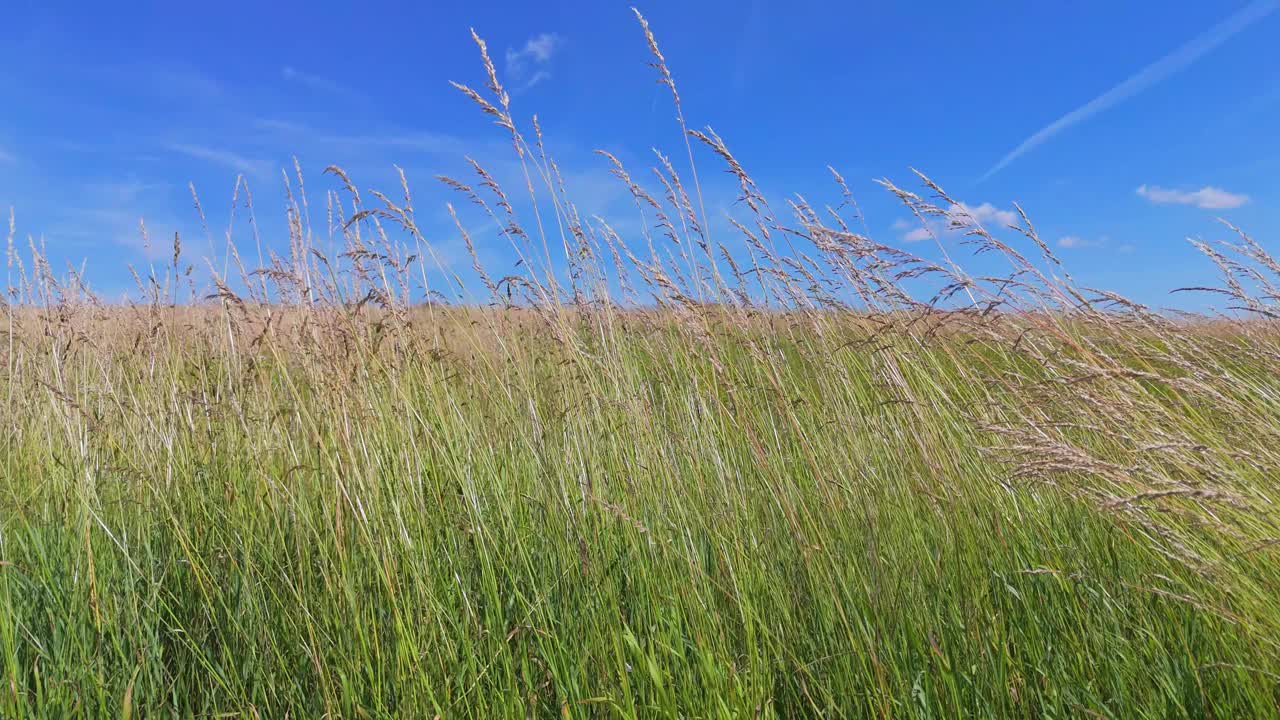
x=779, y=489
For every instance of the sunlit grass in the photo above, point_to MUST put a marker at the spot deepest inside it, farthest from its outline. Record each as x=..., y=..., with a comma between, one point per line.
x=776, y=485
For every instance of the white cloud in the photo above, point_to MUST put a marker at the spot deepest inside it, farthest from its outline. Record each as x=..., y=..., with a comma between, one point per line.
x=541, y=47
x=239, y=163
x=955, y=220
x=1207, y=197
x=909, y=231
x=529, y=65
x=1150, y=75
x=984, y=214
x=917, y=234
x=6, y=157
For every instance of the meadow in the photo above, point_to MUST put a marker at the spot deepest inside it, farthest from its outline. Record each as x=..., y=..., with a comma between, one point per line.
x=645, y=476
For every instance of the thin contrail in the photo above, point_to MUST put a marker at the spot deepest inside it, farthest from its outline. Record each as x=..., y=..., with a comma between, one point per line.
x=1146, y=77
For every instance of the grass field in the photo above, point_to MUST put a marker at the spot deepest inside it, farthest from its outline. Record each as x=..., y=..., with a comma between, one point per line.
x=654, y=481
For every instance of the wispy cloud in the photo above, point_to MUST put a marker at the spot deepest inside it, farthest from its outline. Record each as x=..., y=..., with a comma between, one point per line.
x=6, y=157
x=1207, y=197
x=423, y=141
x=1073, y=242
x=531, y=64
x=110, y=213
x=748, y=44
x=239, y=163
x=121, y=193
x=317, y=83
x=1150, y=75
x=957, y=217
x=165, y=80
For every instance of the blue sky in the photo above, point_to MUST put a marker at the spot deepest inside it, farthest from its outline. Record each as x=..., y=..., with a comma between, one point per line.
x=1142, y=122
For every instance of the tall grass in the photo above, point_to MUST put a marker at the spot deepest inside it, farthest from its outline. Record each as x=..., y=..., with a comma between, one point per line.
x=647, y=476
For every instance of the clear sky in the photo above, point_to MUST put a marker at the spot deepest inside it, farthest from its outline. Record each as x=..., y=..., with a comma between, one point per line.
x=1122, y=128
